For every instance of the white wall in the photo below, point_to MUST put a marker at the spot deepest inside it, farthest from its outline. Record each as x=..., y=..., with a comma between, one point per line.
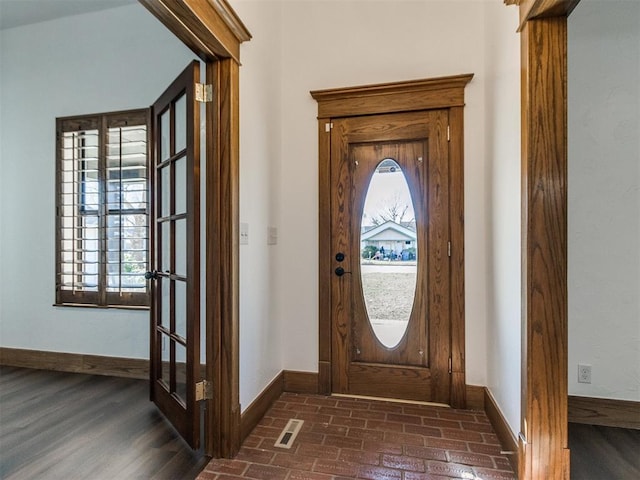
x=604, y=198
x=341, y=43
x=260, y=153
x=89, y=63
x=502, y=117
x=299, y=46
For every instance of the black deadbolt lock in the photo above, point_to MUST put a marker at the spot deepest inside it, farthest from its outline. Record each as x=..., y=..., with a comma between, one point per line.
x=339, y=256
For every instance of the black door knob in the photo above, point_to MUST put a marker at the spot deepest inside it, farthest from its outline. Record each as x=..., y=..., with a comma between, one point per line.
x=340, y=271
x=151, y=275
x=339, y=256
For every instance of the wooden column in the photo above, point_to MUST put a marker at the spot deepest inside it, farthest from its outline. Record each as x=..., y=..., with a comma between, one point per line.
x=223, y=259
x=543, y=453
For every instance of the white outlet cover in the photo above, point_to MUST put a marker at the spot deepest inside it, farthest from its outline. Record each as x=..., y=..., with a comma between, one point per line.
x=584, y=373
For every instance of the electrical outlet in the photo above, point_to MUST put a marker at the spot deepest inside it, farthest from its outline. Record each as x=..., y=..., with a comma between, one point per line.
x=584, y=373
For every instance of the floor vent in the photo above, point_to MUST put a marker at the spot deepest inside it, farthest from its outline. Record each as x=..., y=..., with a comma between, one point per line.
x=289, y=433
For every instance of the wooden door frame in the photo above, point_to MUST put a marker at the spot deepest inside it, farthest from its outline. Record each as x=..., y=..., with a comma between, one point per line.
x=214, y=32
x=399, y=97
x=543, y=441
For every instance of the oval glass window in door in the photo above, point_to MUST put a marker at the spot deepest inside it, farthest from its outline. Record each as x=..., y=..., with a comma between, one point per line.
x=388, y=257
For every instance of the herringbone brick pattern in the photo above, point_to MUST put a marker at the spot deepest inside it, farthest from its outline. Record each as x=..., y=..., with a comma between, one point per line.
x=344, y=438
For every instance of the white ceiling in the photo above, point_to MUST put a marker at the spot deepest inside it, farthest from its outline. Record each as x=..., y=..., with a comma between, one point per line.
x=14, y=13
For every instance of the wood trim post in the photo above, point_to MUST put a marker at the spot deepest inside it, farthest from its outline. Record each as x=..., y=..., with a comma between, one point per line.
x=223, y=261
x=213, y=342
x=324, y=259
x=543, y=452
x=456, y=221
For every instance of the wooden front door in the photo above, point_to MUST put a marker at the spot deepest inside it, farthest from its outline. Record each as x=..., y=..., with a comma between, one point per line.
x=390, y=287
x=175, y=277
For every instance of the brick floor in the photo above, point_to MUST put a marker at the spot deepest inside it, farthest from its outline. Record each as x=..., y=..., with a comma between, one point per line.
x=368, y=439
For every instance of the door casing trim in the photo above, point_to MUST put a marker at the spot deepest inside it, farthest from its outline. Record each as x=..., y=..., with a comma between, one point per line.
x=397, y=97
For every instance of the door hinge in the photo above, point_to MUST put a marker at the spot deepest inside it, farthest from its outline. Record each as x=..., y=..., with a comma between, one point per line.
x=328, y=127
x=204, y=92
x=450, y=365
x=204, y=390
x=448, y=133
x=449, y=248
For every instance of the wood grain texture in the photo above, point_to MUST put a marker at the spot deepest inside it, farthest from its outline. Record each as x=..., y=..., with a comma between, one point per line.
x=544, y=269
x=439, y=234
x=225, y=266
x=418, y=367
x=66, y=425
x=604, y=411
x=475, y=397
x=599, y=452
x=213, y=337
x=414, y=95
x=501, y=427
x=300, y=382
x=75, y=362
x=456, y=222
x=324, y=377
x=445, y=92
x=211, y=29
x=179, y=406
x=391, y=381
x=259, y=407
x=533, y=9
x=324, y=258
x=340, y=211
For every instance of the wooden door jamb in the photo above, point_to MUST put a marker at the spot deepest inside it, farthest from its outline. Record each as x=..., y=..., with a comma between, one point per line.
x=543, y=445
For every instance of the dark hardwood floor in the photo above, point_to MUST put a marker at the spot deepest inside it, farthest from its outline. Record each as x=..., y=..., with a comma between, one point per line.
x=56, y=425
x=604, y=453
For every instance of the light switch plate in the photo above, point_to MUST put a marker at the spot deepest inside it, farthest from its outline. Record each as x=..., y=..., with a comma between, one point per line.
x=244, y=234
x=272, y=236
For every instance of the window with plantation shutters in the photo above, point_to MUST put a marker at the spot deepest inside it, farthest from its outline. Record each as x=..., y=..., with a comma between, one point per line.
x=102, y=209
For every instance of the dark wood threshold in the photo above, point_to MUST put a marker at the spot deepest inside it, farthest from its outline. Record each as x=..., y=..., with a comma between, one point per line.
x=75, y=362
x=605, y=412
